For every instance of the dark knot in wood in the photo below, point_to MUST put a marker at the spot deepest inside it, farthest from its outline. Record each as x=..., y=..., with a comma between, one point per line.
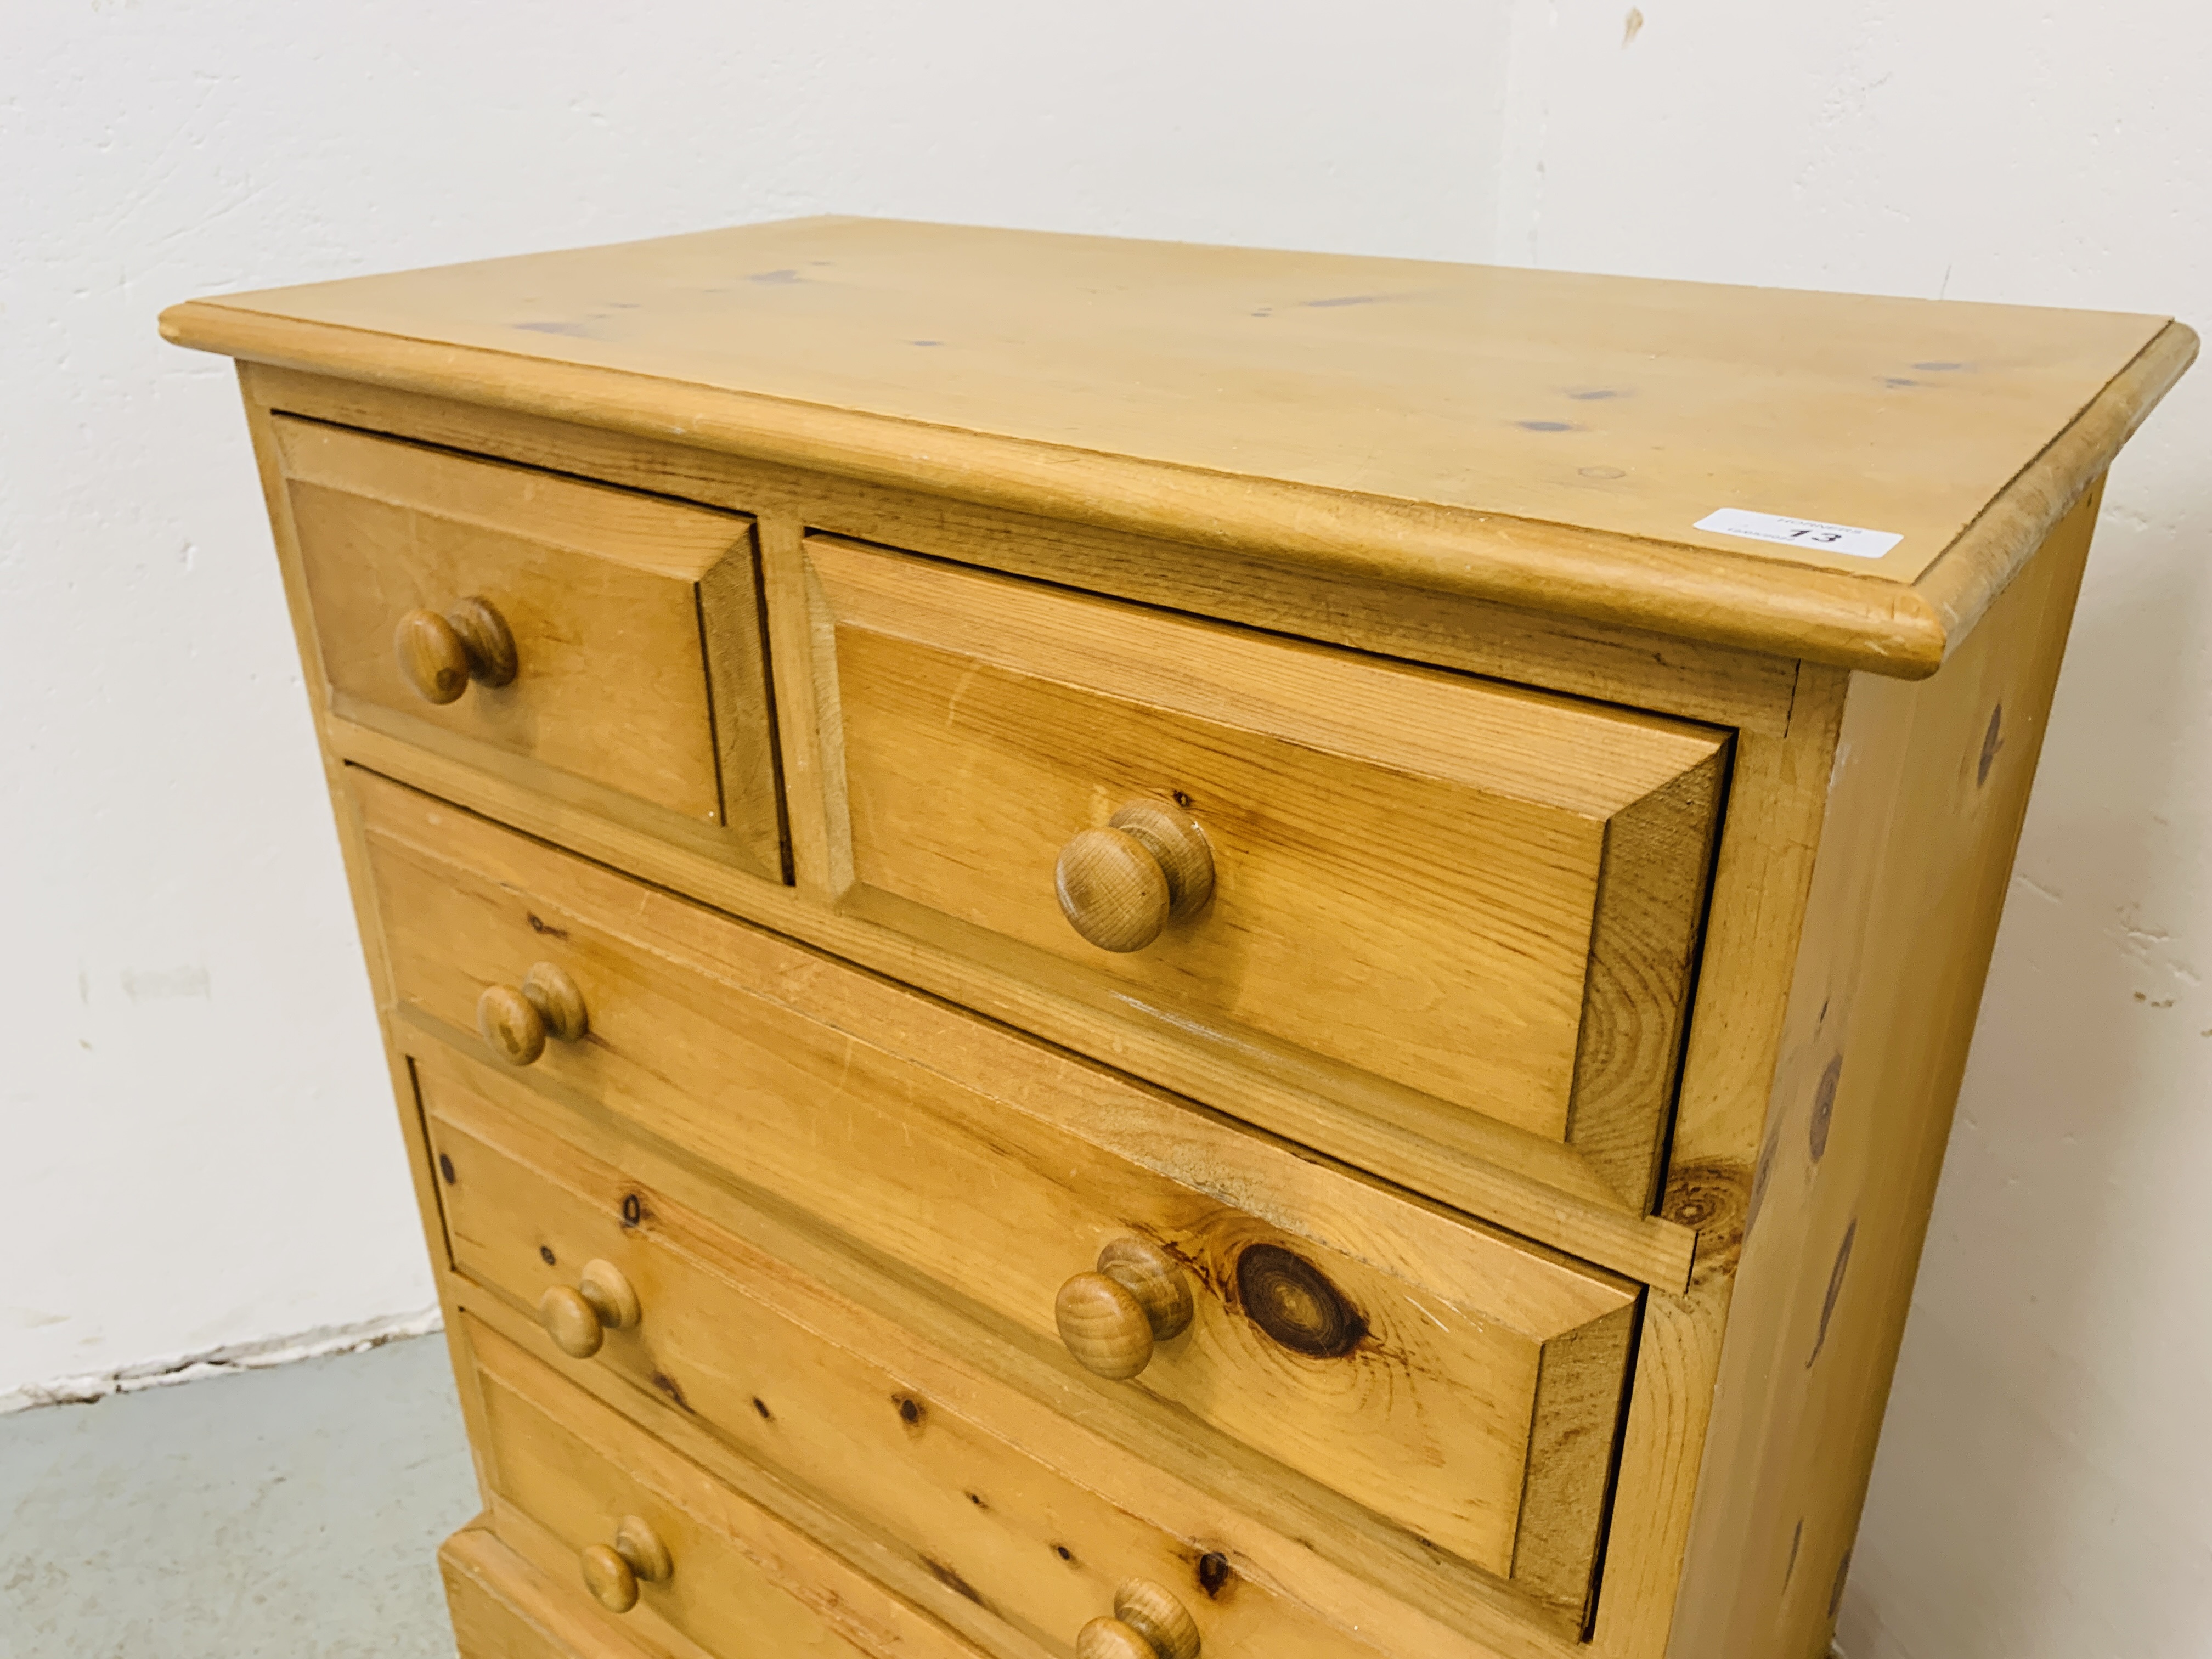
x=1712, y=1198
x=1292, y=1300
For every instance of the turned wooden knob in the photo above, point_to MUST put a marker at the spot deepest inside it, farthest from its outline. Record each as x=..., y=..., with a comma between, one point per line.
x=1120, y=885
x=578, y=1318
x=1110, y=1319
x=612, y=1572
x=431, y=656
x=514, y=1021
x=440, y=655
x=1148, y=1623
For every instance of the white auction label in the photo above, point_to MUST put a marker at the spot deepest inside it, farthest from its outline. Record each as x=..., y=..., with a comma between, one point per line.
x=1800, y=532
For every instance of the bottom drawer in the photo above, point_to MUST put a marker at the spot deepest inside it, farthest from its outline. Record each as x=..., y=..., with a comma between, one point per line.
x=502, y=1607
x=690, y=1566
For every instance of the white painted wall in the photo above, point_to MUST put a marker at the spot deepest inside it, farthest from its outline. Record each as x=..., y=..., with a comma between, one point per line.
x=200, y=1151
x=2042, y=1490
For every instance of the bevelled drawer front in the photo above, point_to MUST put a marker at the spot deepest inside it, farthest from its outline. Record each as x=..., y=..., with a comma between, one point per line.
x=1461, y=1385
x=1441, y=897
x=737, y=1342
x=657, y=1542
x=597, y=643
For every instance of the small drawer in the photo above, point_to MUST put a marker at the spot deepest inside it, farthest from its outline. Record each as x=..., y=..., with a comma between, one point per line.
x=1460, y=1386
x=738, y=1343
x=654, y=1541
x=1456, y=905
x=594, y=643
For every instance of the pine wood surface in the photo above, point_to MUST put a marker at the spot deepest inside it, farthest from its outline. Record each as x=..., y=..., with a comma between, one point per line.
x=1572, y=1210
x=616, y=601
x=1633, y=667
x=1764, y=871
x=1424, y=1621
x=1563, y=1207
x=1059, y=1433
x=1146, y=1619
x=1470, y=428
x=1856, y=882
x=1931, y=788
x=793, y=1076
x=1487, y=897
x=566, y=1474
x=1035, y=1549
x=503, y=1609
x=1778, y=784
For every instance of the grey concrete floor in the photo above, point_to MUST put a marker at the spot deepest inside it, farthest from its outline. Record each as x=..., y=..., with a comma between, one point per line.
x=293, y=1513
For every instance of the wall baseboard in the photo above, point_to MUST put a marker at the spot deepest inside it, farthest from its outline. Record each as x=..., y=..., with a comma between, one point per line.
x=256, y=1356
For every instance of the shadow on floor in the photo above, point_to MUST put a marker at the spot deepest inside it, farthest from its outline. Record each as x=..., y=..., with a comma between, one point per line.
x=286, y=1514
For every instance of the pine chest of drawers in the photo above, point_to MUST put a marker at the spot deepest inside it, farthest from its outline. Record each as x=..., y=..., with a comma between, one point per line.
x=1091, y=947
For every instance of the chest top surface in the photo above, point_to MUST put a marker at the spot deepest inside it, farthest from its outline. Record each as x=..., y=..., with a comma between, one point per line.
x=1532, y=436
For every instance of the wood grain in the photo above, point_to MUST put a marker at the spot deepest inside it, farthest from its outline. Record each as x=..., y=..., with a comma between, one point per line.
x=1538, y=1189
x=1776, y=801
x=1156, y=1279
x=1111, y=889
x=1034, y=1548
x=1772, y=1216
x=503, y=1609
x=1634, y=667
x=569, y=1474
x=1235, y=1522
x=1918, y=847
x=1433, y=881
x=432, y=659
x=571, y=1321
x=578, y=1318
x=515, y=1021
x=782, y=1070
x=601, y=593
x=486, y=639
x=1104, y=1327
x=608, y=1576
x=1432, y=1151
x=1110, y=1638
x=1158, y=1618
x=510, y=1024
x=1148, y=865
x=1520, y=406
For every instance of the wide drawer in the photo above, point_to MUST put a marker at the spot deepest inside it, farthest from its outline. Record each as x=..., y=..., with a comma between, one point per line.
x=659, y=1542
x=596, y=643
x=731, y=1340
x=1458, y=905
x=1458, y=1385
